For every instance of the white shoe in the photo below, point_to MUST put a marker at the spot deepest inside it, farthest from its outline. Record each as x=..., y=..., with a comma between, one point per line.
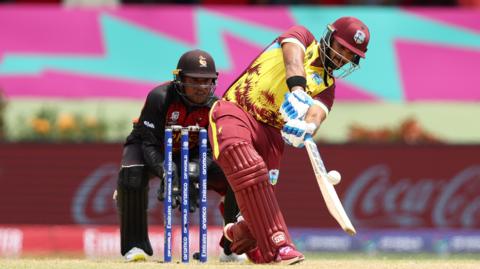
x=135, y=255
x=242, y=258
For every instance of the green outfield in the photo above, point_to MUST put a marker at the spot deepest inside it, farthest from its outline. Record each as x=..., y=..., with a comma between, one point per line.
x=451, y=122
x=327, y=261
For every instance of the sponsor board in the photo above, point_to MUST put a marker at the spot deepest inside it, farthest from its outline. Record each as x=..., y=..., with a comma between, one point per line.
x=104, y=241
x=388, y=241
x=382, y=186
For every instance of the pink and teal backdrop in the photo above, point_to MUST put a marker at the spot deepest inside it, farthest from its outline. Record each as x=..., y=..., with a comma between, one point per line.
x=55, y=52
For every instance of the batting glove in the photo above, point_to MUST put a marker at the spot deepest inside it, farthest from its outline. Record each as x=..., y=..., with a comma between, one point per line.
x=295, y=105
x=294, y=131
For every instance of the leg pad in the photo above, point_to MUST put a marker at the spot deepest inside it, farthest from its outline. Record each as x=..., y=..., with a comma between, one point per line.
x=132, y=204
x=247, y=174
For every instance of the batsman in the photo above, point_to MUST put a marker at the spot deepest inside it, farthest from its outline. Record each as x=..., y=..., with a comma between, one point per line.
x=185, y=101
x=285, y=93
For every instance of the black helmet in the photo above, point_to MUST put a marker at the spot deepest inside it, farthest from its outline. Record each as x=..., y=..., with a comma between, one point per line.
x=197, y=64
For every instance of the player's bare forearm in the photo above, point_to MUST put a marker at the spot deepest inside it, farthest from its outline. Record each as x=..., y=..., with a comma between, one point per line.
x=316, y=115
x=293, y=57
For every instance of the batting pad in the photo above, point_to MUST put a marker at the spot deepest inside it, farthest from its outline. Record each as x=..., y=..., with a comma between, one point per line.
x=248, y=175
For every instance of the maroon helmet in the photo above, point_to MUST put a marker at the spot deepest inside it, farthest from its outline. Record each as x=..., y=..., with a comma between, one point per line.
x=197, y=64
x=352, y=33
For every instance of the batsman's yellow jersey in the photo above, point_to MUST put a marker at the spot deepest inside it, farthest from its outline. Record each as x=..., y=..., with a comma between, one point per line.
x=261, y=89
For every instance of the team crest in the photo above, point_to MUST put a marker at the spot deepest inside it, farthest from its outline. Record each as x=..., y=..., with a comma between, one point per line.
x=359, y=37
x=202, y=61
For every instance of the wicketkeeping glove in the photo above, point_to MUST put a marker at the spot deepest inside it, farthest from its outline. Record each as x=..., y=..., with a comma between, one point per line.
x=193, y=190
x=194, y=198
x=293, y=132
x=295, y=105
x=176, y=191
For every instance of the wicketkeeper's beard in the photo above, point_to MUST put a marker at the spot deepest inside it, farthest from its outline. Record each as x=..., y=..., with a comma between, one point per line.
x=188, y=99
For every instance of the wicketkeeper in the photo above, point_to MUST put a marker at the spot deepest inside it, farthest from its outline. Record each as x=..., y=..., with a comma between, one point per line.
x=185, y=101
x=285, y=93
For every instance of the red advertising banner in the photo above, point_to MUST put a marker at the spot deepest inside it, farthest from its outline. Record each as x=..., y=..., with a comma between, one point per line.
x=382, y=186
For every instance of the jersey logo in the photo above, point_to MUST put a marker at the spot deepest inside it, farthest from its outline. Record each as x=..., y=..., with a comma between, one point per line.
x=149, y=124
x=316, y=78
x=175, y=116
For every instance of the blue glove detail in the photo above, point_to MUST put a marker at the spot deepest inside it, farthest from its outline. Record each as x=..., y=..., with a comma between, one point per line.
x=294, y=131
x=295, y=105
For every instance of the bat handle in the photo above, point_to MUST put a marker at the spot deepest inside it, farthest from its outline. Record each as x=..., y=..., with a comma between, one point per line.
x=308, y=137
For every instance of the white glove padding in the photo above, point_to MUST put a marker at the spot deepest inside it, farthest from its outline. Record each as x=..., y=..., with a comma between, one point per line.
x=293, y=132
x=295, y=105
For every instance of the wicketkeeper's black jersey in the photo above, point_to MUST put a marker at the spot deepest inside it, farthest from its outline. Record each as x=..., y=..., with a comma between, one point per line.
x=164, y=106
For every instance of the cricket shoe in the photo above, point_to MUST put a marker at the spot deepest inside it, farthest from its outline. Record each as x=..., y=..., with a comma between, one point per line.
x=288, y=255
x=135, y=255
x=238, y=258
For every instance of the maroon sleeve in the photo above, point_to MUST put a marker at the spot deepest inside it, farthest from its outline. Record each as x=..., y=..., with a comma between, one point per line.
x=327, y=97
x=300, y=33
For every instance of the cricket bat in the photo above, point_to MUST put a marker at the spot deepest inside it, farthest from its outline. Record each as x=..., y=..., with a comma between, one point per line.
x=329, y=194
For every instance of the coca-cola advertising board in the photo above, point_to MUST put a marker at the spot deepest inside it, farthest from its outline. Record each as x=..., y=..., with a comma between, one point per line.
x=387, y=186
x=383, y=186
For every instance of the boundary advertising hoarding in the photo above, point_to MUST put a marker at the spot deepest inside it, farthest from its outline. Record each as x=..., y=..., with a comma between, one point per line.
x=382, y=186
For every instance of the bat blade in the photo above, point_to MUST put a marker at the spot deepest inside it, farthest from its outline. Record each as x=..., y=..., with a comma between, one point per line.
x=329, y=194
